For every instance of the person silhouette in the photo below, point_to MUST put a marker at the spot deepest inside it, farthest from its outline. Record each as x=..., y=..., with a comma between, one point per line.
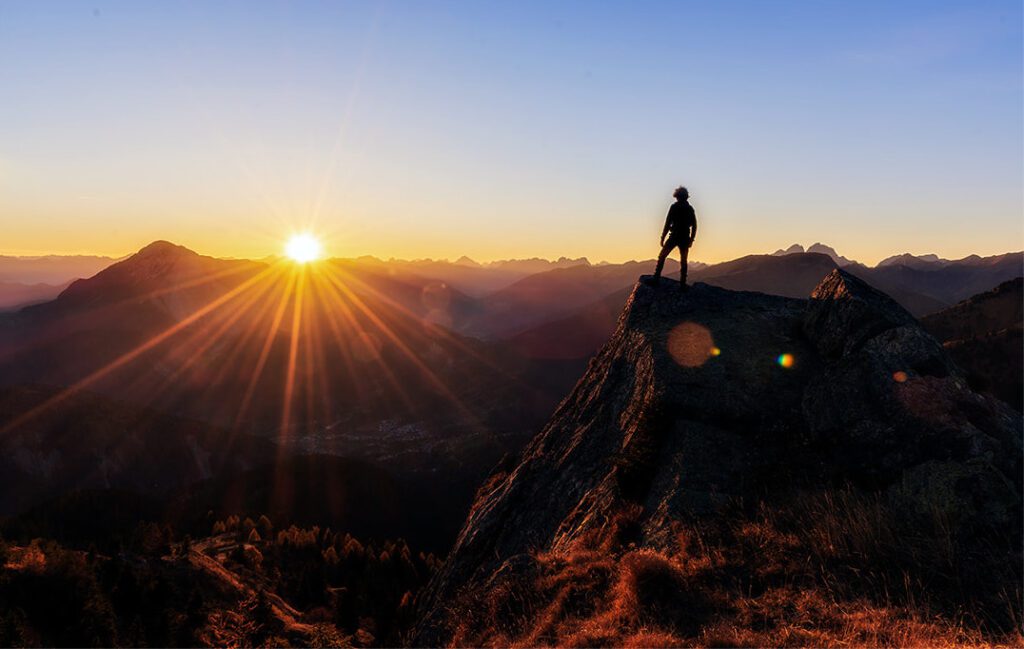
x=681, y=230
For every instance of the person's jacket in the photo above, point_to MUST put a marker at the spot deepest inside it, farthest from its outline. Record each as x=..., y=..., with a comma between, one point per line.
x=681, y=218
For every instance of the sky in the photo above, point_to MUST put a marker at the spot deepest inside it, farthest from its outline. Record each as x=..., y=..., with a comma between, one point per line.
x=511, y=129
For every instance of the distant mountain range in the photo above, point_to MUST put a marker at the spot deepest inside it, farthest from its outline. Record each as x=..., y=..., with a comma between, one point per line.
x=411, y=364
x=583, y=329
x=15, y=295
x=561, y=313
x=30, y=280
x=919, y=262
x=50, y=269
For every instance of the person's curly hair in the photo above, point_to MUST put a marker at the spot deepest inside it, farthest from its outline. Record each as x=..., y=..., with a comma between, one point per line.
x=681, y=193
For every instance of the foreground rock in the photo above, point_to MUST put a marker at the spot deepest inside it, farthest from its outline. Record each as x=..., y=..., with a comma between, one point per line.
x=709, y=398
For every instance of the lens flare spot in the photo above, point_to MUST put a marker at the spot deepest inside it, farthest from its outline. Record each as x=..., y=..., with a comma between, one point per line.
x=785, y=360
x=691, y=344
x=899, y=377
x=716, y=351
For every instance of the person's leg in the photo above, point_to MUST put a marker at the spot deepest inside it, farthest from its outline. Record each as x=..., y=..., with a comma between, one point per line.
x=662, y=256
x=684, y=252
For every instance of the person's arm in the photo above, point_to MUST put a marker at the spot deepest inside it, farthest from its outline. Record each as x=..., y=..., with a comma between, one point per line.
x=668, y=226
x=693, y=231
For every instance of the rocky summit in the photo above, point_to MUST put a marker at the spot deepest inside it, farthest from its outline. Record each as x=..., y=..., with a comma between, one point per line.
x=706, y=401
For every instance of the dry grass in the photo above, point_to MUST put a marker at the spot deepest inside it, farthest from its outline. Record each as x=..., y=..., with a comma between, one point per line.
x=835, y=569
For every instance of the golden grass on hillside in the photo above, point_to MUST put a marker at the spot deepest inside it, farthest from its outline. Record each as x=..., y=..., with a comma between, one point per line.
x=832, y=569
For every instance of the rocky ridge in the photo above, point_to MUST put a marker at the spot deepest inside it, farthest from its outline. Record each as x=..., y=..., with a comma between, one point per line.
x=708, y=397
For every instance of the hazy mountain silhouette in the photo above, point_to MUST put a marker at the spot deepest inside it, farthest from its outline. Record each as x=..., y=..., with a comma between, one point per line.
x=576, y=336
x=30, y=280
x=914, y=261
x=538, y=265
x=690, y=424
x=552, y=294
x=581, y=333
x=171, y=279
x=473, y=278
x=470, y=279
x=793, y=275
x=50, y=269
x=831, y=252
x=949, y=283
x=793, y=249
x=818, y=248
x=16, y=295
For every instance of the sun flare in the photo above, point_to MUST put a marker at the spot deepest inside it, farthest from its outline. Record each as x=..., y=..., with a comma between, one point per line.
x=303, y=248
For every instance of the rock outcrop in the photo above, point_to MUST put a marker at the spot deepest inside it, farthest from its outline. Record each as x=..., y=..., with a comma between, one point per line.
x=709, y=396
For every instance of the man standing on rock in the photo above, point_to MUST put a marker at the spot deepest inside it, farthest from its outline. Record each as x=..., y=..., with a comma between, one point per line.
x=681, y=230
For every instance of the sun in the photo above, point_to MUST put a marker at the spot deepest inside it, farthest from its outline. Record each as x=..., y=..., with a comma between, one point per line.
x=302, y=248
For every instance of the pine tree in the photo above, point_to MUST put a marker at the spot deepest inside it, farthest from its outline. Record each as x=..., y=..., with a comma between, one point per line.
x=265, y=526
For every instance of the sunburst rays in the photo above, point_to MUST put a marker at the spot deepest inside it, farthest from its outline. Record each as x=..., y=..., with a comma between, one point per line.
x=312, y=330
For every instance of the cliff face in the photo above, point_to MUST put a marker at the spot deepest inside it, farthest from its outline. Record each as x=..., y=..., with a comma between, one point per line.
x=705, y=398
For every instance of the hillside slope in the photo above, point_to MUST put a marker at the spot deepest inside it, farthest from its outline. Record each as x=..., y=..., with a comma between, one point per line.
x=983, y=335
x=984, y=313
x=91, y=442
x=727, y=452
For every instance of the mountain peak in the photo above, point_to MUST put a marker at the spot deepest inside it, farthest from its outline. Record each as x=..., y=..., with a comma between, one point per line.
x=710, y=396
x=831, y=252
x=793, y=249
x=914, y=261
x=844, y=311
x=818, y=248
x=151, y=270
x=163, y=248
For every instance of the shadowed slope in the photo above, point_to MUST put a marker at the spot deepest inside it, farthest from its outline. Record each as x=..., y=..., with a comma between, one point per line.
x=983, y=334
x=89, y=442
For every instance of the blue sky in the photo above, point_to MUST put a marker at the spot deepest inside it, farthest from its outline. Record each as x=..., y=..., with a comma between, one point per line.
x=416, y=129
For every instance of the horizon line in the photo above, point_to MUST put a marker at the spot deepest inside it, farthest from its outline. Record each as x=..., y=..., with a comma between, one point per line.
x=28, y=255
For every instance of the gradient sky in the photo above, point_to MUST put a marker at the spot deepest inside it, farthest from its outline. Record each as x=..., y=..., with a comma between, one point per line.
x=511, y=129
